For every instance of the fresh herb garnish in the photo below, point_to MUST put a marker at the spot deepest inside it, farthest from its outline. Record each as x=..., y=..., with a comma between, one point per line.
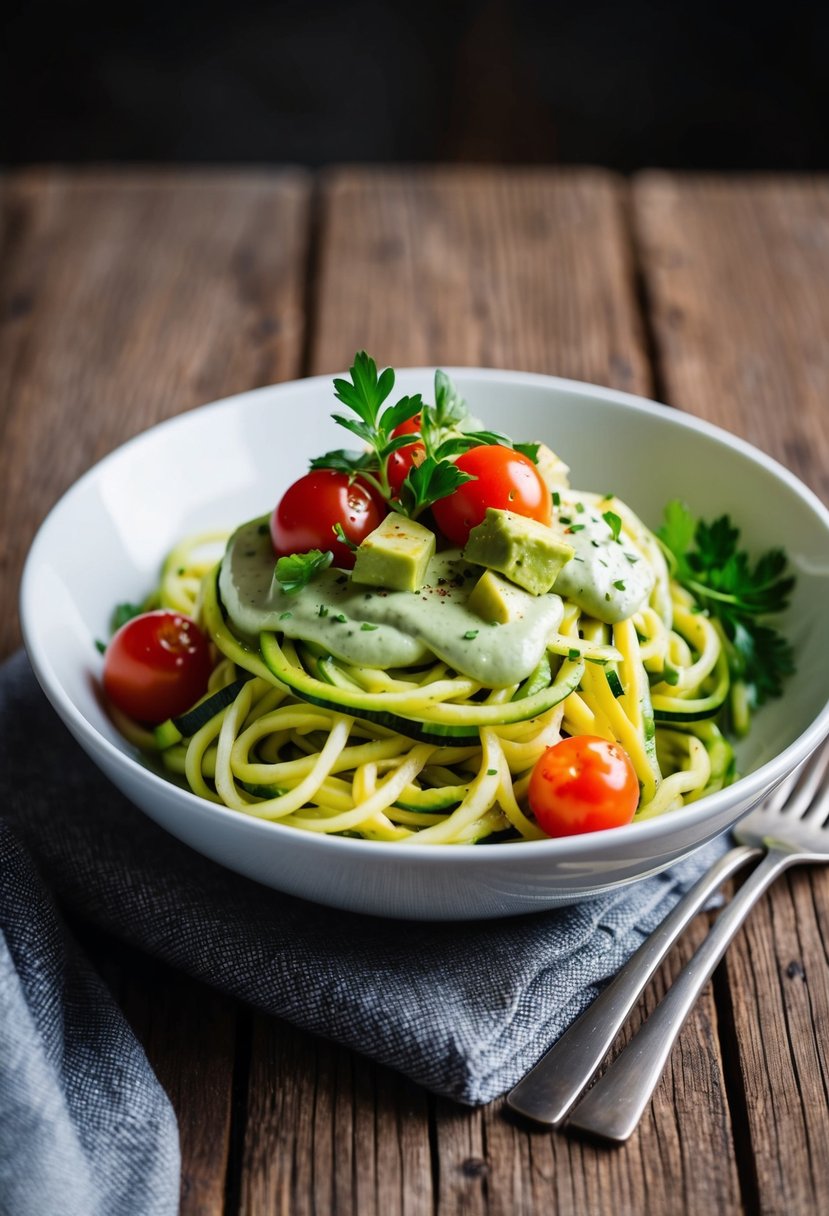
x=296, y=571
x=705, y=559
x=366, y=626
x=470, y=635
x=619, y=584
x=530, y=450
x=613, y=522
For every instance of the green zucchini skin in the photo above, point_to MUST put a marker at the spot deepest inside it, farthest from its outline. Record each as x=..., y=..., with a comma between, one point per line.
x=420, y=727
x=192, y=720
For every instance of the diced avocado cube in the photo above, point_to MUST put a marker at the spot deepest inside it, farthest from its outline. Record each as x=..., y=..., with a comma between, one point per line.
x=554, y=472
x=526, y=551
x=395, y=555
x=494, y=599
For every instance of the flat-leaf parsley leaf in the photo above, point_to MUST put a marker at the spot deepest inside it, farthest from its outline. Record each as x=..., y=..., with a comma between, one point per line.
x=706, y=559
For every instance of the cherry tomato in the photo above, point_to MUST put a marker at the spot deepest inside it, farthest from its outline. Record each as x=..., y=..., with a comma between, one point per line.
x=410, y=427
x=583, y=784
x=308, y=510
x=504, y=479
x=156, y=666
x=399, y=463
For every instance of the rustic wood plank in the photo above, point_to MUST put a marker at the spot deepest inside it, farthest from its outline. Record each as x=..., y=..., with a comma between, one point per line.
x=737, y=273
x=329, y=1132
x=530, y=270
x=124, y=299
x=497, y=1165
x=521, y=269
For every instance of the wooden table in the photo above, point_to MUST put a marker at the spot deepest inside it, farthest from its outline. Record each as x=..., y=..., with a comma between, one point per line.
x=129, y=297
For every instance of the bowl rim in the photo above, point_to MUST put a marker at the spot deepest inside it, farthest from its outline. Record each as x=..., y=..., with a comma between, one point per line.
x=752, y=786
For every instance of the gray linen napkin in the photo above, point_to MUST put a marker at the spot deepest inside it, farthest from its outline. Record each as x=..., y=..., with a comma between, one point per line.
x=463, y=1009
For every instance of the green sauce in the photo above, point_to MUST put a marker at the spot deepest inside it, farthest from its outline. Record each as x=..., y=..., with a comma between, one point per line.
x=372, y=627
x=410, y=628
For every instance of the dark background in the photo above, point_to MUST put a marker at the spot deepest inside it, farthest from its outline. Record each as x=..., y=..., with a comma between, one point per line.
x=693, y=85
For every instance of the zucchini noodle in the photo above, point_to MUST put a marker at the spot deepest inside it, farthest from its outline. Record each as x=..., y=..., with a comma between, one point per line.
x=291, y=734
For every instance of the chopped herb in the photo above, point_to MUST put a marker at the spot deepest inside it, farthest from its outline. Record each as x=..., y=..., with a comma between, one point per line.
x=296, y=571
x=494, y=622
x=573, y=653
x=283, y=616
x=670, y=675
x=632, y=558
x=602, y=562
x=341, y=618
x=595, y=544
x=613, y=521
x=366, y=627
x=565, y=519
x=322, y=610
x=705, y=559
x=530, y=450
x=100, y=646
x=576, y=528
x=619, y=584
x=470, y=635
x=492, y=772
x=580, y=508
x=556, y=498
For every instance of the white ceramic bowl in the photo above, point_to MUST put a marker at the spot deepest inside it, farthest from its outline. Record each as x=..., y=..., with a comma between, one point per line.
x=227, y=462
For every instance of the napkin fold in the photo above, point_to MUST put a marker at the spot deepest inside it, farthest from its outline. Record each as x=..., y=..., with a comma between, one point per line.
x=463, y=1008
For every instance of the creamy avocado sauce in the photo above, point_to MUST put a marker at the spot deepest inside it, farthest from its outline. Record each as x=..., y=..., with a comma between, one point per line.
x=608, y=578
x=372, y=627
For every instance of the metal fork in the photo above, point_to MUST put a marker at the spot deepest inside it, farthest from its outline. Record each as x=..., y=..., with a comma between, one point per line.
x=789, y=827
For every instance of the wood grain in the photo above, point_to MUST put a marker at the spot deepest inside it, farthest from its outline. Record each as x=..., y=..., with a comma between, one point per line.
x=526, y=269
x=737, y=275
x=327, y=1131
x=124, y=299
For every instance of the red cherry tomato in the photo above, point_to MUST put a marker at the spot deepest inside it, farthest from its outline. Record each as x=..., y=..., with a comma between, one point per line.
x=410, y=427
x=156, y=666
x=583, y=784
x=305, y=516
x=504, y=479
x=399, y=463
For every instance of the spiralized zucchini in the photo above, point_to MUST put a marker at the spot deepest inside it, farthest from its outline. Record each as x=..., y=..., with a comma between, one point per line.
x=429, y=755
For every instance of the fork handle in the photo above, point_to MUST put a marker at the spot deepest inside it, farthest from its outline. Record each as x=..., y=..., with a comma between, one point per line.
x=614, y=1106
x=550, y=1089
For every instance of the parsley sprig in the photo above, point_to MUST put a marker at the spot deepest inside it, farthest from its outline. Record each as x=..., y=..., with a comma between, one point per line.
x=737, y=593
x=445, y=430
x=297, y=569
